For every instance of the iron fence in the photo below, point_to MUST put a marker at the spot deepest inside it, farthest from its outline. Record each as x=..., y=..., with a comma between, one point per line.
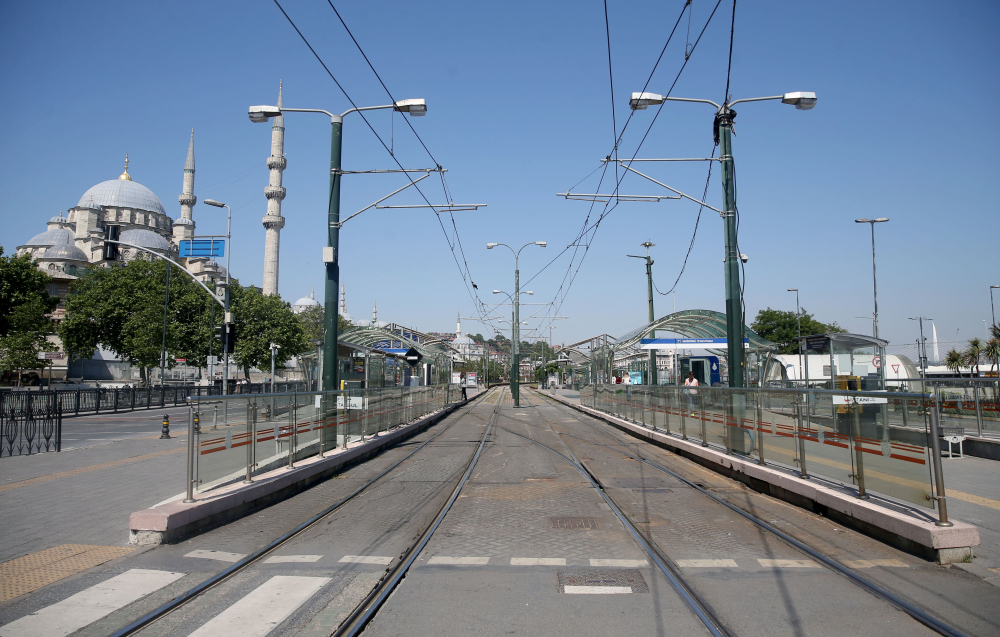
x=75, y=402
x=30, y=423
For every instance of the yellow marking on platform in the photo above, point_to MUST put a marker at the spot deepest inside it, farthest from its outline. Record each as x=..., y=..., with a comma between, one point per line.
x=75, y=472
x=31, y=572
x=950, y=493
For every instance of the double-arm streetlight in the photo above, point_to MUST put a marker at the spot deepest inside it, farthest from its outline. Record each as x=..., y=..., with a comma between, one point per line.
x=723, y=131
x=872, y=223
x=260, y=114
x=515, y=364
x=228, y=318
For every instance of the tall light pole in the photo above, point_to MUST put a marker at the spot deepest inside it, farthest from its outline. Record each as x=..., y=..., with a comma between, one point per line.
x=515, y=376
x=651, y=376
x=228, y=318
x=992, y=309
x=723, y=132
x=798, y=322
x=872, y=223
x=331, y=256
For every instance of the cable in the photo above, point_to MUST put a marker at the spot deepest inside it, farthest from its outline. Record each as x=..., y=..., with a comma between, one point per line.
x=466, y=275
x=611, y=82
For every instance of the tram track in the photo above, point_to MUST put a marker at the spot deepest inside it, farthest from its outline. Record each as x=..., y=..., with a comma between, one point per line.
x=255, y=557
x=866, y=584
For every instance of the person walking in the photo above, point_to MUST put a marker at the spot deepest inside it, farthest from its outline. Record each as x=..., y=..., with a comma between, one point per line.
x=465, y=395
x=691, y=382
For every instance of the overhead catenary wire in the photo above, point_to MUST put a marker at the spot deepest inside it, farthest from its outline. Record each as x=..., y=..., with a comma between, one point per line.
x=466, y=275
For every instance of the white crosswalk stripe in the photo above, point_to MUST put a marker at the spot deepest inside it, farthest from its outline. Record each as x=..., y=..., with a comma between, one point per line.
x=264, y=608
x=707, y=564
x=282, y=559
x=597, y=590
x=619, y=563
x=90, y=604
x=788, y=563
x=538, y=561
x=366, y=559
x=459, y=561
x=222, y=556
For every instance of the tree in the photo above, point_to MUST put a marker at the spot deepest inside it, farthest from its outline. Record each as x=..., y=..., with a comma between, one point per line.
x=121, y=309
x=262, y=320
x=954, y=359
x=972, y=354
x=24, y=305
x=779, y=326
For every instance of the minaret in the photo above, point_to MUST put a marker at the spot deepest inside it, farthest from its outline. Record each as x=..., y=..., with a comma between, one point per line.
x=374, y=312
x=273, y=221
x=343, y=300
x=184, y=227
x=458, y=328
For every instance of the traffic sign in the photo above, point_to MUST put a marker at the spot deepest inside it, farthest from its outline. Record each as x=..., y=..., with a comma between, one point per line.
x=202, y=248
x=877, y=361
x=50, y=355
x=413, y=356
x=180, y=360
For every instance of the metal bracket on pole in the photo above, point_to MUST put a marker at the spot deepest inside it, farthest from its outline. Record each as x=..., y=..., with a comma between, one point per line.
x=182, y=268
x=660, y=183
x=598, y=197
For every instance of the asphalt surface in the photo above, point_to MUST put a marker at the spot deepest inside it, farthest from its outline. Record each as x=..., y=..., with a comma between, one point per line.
x=530, y=547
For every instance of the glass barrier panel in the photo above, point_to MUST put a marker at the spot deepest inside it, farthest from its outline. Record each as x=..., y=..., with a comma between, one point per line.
x=779, y=414
x=896, y=461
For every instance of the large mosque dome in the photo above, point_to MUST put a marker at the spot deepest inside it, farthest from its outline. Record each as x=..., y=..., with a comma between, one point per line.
x=123, y=193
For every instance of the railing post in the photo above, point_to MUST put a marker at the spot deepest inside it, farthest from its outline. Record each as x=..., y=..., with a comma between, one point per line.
x=292, y=434
x=251, y=434
x=936, y=460
x=798, y=436
x=859, y=471
x=979, y=410
x=190, y=459
x=758, y=423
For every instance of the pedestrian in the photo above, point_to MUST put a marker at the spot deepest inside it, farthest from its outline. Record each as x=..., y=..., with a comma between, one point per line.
x=691, y=382
x=465, y=395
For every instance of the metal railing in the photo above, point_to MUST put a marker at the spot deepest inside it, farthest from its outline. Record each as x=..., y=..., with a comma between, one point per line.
x=74, y=402
x=30, y=423
x=885, y=442
x=234, y=438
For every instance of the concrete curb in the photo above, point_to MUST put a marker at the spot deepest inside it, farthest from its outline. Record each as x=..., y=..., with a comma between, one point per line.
x=943, y=544
x=175, y=520
x=988, y=448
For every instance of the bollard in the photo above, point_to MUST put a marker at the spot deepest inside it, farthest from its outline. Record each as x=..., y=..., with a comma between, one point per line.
x=196, y=432
x=189, y=489
x=859, y=472
x=936, y=460
x=165, y=433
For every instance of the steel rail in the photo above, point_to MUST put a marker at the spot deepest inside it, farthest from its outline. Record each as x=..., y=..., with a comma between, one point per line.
x=247, y=561
x=701, y=608
x=365, y=612
x=903, y=605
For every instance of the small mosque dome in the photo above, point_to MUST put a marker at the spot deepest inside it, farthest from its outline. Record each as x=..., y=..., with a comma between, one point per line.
x=51, y=238
x=304, y=304
x=184, y=222
x=144, y=238
x=65, y=252
x=89, y=204
x=59, y=219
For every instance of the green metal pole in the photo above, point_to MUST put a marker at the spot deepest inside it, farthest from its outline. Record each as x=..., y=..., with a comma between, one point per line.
x=734, y=302
x=515, y=372
x=331, y=259
x=652, y=317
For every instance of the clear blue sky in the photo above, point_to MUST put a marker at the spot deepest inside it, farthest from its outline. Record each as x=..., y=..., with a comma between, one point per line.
x=519, y=109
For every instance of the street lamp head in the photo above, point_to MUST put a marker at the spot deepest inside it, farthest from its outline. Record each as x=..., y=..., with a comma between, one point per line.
x=994, y=286
x=416, y=108
x=862, y=221
x=497, y=292
x=802, y=100
x=530, y=293
x=541, y=243
x=881, y=219
x=490, y=246
x=260, y=114
x=213, y=202
x=793, y=289
x=640, y=101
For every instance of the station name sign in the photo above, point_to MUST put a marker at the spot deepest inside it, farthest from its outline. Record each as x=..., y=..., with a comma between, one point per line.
x=686, y=343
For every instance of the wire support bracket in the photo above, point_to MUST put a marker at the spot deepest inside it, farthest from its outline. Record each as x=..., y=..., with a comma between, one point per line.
x=599, y=197
x=674, y=190
x=392, y=170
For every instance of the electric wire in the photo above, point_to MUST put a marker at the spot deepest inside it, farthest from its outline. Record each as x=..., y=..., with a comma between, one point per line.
x=466, y=274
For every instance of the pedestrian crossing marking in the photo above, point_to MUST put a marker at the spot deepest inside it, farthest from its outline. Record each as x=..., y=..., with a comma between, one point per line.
x=619, y=563
x=282, y=559
x=366, y=559
x=222, y=556
x=788, y=563
x=707, y=564
x=597, y=590
x=264, y=608
x=90, y=604
x=458, y=561
x=538, y=561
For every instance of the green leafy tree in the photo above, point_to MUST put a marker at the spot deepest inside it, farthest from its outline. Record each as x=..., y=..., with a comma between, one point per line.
x=262, y=320
x=24, y=306
x=121, y=309
x=954, y=360
x=779, y=326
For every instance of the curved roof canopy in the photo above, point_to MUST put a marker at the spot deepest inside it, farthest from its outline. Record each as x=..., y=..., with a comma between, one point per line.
x=691, y=324
x=368, y=336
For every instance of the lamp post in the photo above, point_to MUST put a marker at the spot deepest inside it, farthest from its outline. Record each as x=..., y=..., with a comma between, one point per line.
x=331, y=256
x=228, y=318
x=515, y=336
x=992, y=309
x=872, y=223
x=651, y=377
x=515, y=375
x=723, y=136
x=274, y=352
x=798, y=322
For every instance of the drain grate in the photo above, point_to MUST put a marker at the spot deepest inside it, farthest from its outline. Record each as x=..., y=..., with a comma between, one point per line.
x=574, y=523
x=629, y=577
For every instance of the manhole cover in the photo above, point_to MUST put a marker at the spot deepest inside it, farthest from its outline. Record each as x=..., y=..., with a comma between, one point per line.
x=602, y=577
x=574, y=523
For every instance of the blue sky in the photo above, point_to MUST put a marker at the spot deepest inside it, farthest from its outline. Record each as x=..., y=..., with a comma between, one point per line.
x=519, y=109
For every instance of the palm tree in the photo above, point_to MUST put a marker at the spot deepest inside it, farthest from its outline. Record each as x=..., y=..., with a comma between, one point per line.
x=992, y=352
x=972, y=354
x=954, y=359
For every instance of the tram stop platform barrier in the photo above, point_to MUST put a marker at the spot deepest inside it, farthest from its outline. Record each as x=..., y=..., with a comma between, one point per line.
x=174, y=520
x=896, y=527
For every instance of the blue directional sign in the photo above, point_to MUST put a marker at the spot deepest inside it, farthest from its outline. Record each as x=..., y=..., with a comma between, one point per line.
x=686, y=343
x=203, y=248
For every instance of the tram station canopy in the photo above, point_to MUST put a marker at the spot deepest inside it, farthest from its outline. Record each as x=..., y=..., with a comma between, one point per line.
x=691, y=324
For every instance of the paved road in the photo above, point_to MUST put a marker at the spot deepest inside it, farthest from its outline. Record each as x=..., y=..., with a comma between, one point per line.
x=530, y=547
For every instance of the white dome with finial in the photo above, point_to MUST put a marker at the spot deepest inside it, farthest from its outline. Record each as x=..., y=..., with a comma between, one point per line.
x=305, y=303
x=122, y=193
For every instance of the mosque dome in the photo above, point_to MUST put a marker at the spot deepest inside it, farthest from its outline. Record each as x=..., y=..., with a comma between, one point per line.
x=184, y=222
x=144, y=239
x=51, y=238
x=65, y=252
x=89, y=204
x=122, y=193
x=304, y=304
x=59, y=219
